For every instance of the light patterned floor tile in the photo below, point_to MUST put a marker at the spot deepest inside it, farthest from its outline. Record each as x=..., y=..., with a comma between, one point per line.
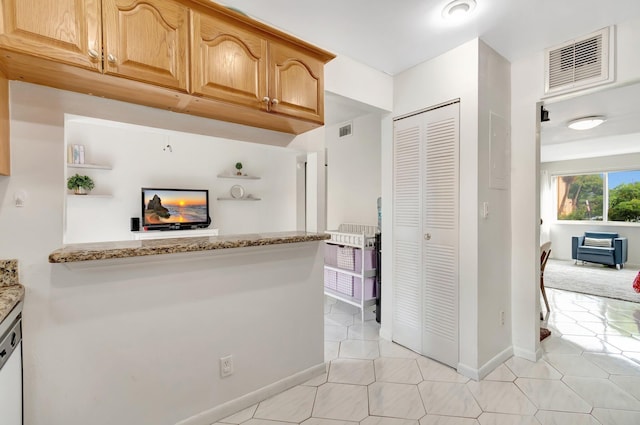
x=265, y=422
x=379, y=420
x=555, y=344
x=317, y=381
x=448, y=399
x=359, y=349
x=604, y=329
x=614, y=364
x=241, y=416
x=584, y=316
x=565, y=418
x=575, y=365
x=338, y=319
x=395, y=400
x=352, y=371
x=630, y=384
x=552, y=395
x=331, y=350
x=335, y=332
x=501, y=373
x=526, y=369
x=342, y=402
x=573, y=329
x=447, y=420
x=391, y=349
x=434, y=371
x=368, y=330
x=501, y=397
x=632, y=356
x=592, y=344
x=506, y=419
x=293, y=405
x=616, y=417
x=320, y=421
x=342, y=307
x=622, y=343
x=401, y=371
x=602, y=393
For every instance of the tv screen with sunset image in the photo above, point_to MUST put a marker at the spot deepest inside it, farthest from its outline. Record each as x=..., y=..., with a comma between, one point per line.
x=174, y=206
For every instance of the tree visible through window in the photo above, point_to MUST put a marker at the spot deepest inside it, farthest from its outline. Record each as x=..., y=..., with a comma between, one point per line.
x=580, y=197
x=583, y=197
x=624, y=196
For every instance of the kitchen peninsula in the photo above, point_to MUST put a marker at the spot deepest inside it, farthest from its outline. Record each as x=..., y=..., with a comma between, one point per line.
x=153, y=318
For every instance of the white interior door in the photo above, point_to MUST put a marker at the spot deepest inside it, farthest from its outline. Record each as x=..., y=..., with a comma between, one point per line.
x=425, y=235
x=440, y=235
x=407, y=237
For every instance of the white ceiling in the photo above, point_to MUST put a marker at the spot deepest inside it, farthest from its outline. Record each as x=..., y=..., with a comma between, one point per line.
x=394, y=35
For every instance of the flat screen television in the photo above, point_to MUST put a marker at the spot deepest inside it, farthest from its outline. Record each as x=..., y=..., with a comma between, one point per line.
x=175, y=209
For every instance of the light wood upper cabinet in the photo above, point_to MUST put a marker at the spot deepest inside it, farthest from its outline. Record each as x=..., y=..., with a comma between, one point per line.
x=67, y=31
x=228, y=62
x=147, y=41
x=296, y=84
x=5, y=142
x=231, y=62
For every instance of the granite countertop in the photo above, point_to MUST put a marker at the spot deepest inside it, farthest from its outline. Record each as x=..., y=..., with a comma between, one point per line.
x=11, y=292
x=127, y=249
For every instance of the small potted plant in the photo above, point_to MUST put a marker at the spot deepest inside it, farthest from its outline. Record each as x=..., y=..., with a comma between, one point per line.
x=239, y=168
x=81, y=185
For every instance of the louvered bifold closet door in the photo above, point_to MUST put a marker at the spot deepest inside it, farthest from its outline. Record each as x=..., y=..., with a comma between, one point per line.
x=440, y=235
x=407, y=221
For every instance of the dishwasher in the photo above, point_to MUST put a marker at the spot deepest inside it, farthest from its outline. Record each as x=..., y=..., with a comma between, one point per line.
x=11, y=368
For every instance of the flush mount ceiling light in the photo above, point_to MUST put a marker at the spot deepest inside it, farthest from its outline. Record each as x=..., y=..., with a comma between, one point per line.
x=586, y=123
x=458, y=9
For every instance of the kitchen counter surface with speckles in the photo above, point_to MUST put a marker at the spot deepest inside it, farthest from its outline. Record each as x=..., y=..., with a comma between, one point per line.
x=11, y=292
x=128, y=249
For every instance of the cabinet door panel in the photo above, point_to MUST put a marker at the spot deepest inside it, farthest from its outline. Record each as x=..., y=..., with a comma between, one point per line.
x=296, y=82
x=62, y=30
x=147, y=41
x=228, y=62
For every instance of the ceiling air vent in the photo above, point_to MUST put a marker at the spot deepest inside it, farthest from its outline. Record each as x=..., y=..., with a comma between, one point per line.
x=345, y=130
x=580, y=63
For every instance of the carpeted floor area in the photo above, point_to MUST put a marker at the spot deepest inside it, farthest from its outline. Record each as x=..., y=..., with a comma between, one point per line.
x=592, y=279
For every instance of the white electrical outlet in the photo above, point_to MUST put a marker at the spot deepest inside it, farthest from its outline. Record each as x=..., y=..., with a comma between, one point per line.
x=502, y=318
x=226, y=366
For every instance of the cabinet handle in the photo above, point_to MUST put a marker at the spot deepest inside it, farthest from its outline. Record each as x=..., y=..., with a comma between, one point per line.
x=275, y=101
x=93, y=54
x=111, y=58
x=266, y=99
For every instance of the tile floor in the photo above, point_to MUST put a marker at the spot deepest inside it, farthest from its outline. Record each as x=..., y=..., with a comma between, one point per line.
x=589, y=375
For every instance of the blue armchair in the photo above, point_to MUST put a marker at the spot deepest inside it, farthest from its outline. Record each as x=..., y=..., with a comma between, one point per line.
x=600, y=247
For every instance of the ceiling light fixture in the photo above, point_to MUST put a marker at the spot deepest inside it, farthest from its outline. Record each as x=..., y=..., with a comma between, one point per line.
x=458, y=9
x=586, y=123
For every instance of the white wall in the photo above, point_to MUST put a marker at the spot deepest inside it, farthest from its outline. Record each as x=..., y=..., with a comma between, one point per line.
x=527, y=88
x=449, y=76
x=353, y=80
x=139, y=158
x=561, y=232
x=494, y=231
x=353, y=173
x=140, y=343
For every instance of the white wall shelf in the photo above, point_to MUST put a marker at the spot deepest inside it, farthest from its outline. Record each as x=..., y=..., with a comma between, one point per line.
x=229, y=176
x=90, y=166
x=239, y=199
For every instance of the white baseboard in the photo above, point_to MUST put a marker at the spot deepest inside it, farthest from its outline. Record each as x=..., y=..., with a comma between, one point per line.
x=487, y=368
x=532, y=356
x=214, y=414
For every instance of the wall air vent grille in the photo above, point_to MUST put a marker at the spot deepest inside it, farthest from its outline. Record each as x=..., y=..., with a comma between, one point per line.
x=579, y=63
x=346, y=130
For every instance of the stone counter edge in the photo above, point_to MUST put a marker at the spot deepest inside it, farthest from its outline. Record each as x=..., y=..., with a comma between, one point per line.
x=111, y=250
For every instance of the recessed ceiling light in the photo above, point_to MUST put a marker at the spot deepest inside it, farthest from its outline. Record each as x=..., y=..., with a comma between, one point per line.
x=586, y=123
x=458, y=8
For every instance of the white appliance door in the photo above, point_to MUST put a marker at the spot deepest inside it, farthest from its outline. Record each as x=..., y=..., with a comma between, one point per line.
x=11, y=389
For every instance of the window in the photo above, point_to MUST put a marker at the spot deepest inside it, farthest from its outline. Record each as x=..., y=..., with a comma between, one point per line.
x=583, y=197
